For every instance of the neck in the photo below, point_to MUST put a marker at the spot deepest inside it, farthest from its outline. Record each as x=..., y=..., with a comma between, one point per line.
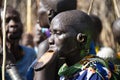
x=15, y=50
x=12, y=44
x=71, y=59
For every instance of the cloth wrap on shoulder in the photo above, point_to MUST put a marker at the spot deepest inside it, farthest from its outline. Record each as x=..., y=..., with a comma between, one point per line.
x=89, y=68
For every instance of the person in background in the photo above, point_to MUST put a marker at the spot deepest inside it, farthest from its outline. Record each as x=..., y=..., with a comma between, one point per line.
x=17, y=55
x=116, y=33
x=40, y=34
x=47, y=11
x=96, y=44
x=27, y=40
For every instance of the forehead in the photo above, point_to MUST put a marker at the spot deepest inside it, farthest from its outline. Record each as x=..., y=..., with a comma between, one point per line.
x=12, y=13
x=58, y=25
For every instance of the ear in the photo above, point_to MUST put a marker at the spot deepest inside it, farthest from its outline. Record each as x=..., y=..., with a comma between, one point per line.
x=51, y=13
x=81, y=38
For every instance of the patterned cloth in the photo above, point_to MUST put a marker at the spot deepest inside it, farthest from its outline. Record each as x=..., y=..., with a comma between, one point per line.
x=90, y=68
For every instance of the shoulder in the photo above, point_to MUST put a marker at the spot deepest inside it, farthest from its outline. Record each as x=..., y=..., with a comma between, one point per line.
x=29, y=51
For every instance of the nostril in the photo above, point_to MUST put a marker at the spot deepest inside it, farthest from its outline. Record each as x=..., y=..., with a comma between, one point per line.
x=12, y=28
x=51, y=43
x=50, y=40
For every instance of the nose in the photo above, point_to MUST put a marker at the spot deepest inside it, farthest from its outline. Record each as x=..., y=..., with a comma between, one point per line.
x=51, y=40
x=12, y=23
x=12, y=26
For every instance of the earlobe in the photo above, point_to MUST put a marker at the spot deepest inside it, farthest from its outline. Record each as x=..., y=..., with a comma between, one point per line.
x=82, y=38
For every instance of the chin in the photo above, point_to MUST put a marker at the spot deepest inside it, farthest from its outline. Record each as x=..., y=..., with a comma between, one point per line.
x=14, y=38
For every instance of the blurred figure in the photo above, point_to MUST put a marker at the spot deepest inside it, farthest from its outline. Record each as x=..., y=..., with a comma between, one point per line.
x=102, y=51
x=96, y=44
x=27, y=40
x=17, y=55
x=47, y=11
x=116, y=33
x=40, y=34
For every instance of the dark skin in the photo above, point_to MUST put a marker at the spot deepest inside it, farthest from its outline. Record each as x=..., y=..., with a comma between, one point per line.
x=14, y=29
x=38, y=35
x=47, y=11
x=50, y=8
x=64, y=39
x=64, y=34
x=68, y=39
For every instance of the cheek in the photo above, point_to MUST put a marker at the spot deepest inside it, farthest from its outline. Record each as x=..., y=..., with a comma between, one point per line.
x=64, y=42
x=20, y=27
x=59, y=40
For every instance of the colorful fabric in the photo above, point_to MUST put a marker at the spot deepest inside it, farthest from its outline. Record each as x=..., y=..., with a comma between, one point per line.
x=46, y=31
x=92, y=48
x=65, y=70
x=90, y=68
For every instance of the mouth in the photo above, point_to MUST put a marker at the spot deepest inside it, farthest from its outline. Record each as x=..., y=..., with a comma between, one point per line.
x=47, y=58
x=13, y=35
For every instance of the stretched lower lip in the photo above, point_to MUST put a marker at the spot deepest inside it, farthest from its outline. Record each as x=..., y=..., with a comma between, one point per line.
x=50, y=51
x=48, y=57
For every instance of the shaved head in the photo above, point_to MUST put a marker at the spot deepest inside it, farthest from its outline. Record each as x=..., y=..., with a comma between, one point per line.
x=116, y=30
x=59, y=5
x=75, y=19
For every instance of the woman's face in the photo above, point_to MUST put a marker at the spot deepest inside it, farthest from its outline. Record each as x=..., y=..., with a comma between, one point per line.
x=63, y=37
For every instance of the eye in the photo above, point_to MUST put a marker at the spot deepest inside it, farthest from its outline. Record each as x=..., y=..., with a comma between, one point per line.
x=8, y=19
x=58, y=32
x=16, y=19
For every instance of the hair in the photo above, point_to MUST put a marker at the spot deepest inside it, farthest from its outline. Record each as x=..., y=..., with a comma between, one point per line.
x=12, y=10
